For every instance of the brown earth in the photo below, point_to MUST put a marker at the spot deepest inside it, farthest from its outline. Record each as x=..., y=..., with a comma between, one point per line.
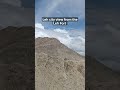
x=57, y=66
x=17, y=58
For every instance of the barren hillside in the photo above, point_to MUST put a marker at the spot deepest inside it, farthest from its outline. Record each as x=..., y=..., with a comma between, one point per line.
x=17, y=58
x=57, y=66
x=100, y=77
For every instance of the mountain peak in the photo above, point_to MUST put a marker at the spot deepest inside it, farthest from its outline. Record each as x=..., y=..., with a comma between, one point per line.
x=47, y=41
x=57, y=66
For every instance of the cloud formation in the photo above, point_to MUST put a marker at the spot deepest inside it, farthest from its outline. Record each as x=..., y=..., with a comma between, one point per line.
x=13, y=14
x=60, y=8
x=103, y=37
x=74, y=39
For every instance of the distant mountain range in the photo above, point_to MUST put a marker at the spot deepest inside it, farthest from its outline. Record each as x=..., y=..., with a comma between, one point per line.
x=56, y=66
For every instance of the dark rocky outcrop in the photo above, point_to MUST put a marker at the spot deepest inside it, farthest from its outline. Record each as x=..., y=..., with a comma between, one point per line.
x=17, y=60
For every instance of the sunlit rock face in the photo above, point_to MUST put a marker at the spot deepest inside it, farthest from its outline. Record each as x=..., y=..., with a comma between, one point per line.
x=57, y=66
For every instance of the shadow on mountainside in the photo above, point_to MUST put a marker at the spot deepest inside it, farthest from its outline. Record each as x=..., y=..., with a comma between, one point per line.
x=100, y=77
x=17, y=58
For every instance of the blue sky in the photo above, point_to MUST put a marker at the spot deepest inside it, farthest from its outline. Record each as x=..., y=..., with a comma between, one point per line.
x=61, y=8
x=72, y=35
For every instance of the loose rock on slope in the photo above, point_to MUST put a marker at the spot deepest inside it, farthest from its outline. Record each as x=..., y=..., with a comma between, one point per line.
x=57, y=66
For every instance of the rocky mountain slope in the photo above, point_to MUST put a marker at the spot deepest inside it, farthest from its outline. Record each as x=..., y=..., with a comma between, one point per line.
x=17, y=58
x=57, y=66
x=100, y=77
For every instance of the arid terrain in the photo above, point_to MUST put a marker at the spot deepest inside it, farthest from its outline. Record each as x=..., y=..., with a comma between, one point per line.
x=17, y=58
x=57, y=66
x=100, y=77
x=54, y=66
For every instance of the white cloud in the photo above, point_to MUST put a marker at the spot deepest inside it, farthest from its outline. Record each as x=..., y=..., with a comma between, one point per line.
x=74, y=39
x=51, y=7
x=38, y=25
x=61, y=31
